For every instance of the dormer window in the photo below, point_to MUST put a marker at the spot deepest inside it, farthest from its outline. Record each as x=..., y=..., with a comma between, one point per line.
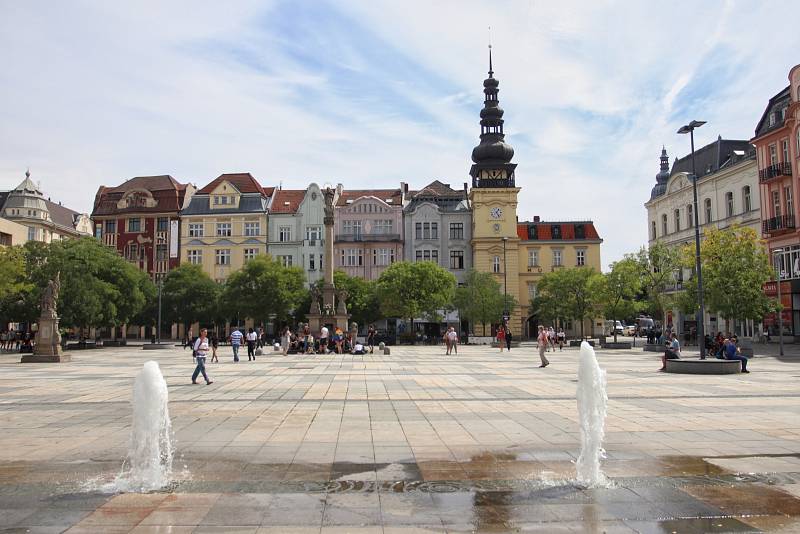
x=772, y=119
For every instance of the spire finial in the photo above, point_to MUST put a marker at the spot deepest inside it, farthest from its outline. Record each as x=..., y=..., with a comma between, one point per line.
x=491, y=72
x=28, y=173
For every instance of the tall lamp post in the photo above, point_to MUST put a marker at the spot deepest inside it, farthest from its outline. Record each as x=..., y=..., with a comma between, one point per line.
x=505, y=281
x=689, y=128
x=779, y=279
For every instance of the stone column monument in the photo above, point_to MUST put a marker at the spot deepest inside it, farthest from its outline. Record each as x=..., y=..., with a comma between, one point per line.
x=48, y=339
x=332, y=311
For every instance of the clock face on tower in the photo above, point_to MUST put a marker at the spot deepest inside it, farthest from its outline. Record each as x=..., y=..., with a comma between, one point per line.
x=493, y=173
x=496, y=213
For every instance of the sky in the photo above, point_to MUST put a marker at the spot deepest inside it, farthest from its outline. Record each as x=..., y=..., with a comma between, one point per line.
x=369, y=94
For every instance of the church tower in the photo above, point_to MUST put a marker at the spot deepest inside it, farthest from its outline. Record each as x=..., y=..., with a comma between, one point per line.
x=495, y=244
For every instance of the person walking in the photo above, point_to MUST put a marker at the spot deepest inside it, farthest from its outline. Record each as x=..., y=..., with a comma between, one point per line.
x=542, y=342
x=507, y=336
x=561, y=336
x=252, y=339
x=286, y=337
x=338, y=340
x=501, y=337
x=214, y=346
x=200, y=349
x=236, y=342
x=452, y=341
x=323, y=339
x=371, y=338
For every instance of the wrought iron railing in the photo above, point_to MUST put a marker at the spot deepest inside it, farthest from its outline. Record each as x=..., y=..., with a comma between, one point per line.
x=774, y=171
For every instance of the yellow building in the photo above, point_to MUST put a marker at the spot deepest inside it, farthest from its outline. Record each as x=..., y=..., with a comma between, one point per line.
x=12, y=233
x=547, y=246
x=225, y=224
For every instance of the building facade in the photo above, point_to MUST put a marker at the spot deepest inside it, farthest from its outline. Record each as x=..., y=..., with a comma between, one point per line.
x=297, y=230
x=727, y=194
x=225, y=224
x=777, y=142
x=12, y=233
x=437, y=224
x=546, y=246
x=140, y=219
x=43, y=219
x=369, y=231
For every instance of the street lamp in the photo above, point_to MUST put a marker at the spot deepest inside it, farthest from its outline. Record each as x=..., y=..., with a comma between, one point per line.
x=505, y=282
x=689, y=128
x=778, y=279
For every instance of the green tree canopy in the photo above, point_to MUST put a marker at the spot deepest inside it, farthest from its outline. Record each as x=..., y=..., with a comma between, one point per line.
x=617, y=290
x=15, y=284
x=410, y=290
x=567, y=294
x=189, y=295
x=480, y=299
x=264, y=288
x=362, y=299
x=658, y=266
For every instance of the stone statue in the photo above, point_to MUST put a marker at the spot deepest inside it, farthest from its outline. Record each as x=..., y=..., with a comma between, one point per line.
x=329, y=194
x=48, y=337
x=50, y=297
x=341, y=301
x=315, y=296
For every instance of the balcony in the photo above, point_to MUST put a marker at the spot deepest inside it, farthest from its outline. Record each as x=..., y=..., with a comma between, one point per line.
x=110, y=240
x=775, y=171
x=777, y=225
x=359, y=238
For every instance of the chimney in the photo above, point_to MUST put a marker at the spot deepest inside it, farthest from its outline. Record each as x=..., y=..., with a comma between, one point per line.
x=536, y=218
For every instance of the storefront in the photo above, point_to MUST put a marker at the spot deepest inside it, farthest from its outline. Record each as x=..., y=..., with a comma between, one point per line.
x=790, y=300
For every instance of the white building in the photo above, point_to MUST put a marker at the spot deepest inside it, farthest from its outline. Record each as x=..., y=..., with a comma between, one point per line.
x=297, y=230
x=727, y=194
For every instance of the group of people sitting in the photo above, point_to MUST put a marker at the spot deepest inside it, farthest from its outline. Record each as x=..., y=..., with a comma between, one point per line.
x=722, y=347
x=302, y=341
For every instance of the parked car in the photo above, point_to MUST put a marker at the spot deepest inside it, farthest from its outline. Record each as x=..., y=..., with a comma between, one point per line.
x=629, y=329
x=612, y=326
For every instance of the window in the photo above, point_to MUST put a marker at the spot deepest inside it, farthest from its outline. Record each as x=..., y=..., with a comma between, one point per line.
x=224, y=229
x=776, y=204
x=132, y=252
x=195, y=257
x=456, y=230
x=531, y=291
x=428, y=255
x=250, y=253
x=352, y=257
x=557, y=258
x=352, y=228
x=382, y=256
x=162, y=224
x=729, y=204
x=533, y=257
x=383, y=226
x=285, y=234
x=580, y=231
x=195, y=229
x=111, y=227
x=434, y=230
x=223, y=200
x=653, y=229
x=216, y=200
x=161, y=252
x=223, y=256
x=457, y=259
x=313, y=233
x=580, y=257
x=496, y=264
x=320, y=261
x=746, y=200
x=555, y=230
x=772, y=119
x=135, y=225
x=689, y=216
x=31, y=233
x=708, y=210
x=785, y=147
x=664, y=224
x=418, y=230
x=252, y=228
x=773, y=155
x=788, y=200
x=311, y=262
x=677, y=214
x=286, y=261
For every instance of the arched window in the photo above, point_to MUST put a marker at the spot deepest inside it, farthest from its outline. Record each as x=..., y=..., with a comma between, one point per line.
x=689, y=216
x=653, y=229
x=677, y=220
x=664, y=224
x=729, y=204
x=708, y=211
x=747, y=203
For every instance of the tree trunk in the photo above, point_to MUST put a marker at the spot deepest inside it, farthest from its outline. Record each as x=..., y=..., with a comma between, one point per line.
x=484, y=328
x=582, y=336
x=614, y=326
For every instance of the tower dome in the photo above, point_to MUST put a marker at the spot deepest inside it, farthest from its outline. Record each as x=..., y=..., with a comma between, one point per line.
x=662, y=177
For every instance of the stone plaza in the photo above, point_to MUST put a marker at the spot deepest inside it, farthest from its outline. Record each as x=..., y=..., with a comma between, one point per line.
x=415, y=441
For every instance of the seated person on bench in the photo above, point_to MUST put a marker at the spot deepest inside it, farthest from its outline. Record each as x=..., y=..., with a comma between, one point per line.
x=672, y=351
x=732, y=352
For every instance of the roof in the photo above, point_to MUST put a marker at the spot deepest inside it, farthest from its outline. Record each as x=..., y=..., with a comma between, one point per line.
x=544, y=231
x=168, y=193
x=287, y=200
x=151, y=183
x=242, y=181
x=776, y=103
x=62, y=215
x=396, y=196
x=438, y=189
x=268, y=191
x=250, y=203
x=713, y=157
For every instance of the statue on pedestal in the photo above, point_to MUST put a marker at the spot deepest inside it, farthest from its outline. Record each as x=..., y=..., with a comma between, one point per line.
x=48, y=338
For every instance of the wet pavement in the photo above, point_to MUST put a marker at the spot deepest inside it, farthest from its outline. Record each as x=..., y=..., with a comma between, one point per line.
x=412, y=442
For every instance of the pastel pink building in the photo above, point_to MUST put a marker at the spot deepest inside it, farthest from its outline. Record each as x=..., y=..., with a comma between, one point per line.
x=368, y=231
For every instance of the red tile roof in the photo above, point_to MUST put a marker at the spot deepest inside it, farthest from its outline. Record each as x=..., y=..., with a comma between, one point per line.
x=287, y=200
x=544, y=230
x=383, y=194
x=243, y=181
x=268, y=191
x=165, y=190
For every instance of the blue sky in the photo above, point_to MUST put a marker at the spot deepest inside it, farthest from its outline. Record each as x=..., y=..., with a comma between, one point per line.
x=373, y=93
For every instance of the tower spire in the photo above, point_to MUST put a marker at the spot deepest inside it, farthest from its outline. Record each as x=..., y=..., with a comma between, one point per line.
x=491, y=72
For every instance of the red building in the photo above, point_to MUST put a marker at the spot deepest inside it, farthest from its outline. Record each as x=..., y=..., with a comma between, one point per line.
x=777, y=142
x=140, y=219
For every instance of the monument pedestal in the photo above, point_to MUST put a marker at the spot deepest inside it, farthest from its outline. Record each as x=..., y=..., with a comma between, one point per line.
x=317, y=321
x=48, y=344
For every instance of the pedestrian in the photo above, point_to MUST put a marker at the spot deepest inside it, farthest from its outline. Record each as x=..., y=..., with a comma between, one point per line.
x=501, y=336
x=214, y=346
x=551, y=338
x=452, y=341
x=286, y=337
x=562, y=337
x=672, y=351
x=236, y=342
x=508, y=337
x=542, y=343
x=732, y=352
x=338, y=340
x=262, y=337
x=200, y=350
x=187, y=341
x=252, y=339
x=323, y=339
x=371, y=338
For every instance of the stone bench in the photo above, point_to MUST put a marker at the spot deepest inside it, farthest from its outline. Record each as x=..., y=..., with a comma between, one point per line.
x=704, y=367
x=654, y=347
x=617, y=345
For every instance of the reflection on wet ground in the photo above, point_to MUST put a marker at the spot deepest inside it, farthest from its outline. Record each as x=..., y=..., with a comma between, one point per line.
x=489, y=493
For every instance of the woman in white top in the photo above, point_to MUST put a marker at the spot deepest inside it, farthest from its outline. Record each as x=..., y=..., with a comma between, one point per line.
x=286, y=336
x=452, y=340
x=201, y=348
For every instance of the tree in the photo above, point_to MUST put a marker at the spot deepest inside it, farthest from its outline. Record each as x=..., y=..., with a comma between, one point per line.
x=567, y=294
x=412, y=290
x=657, y=266
x=617, y=290
x=480, y=299
x=15, y=284
x=735, y=267
x=362, y=297
x=189, y=295
x=263, y=288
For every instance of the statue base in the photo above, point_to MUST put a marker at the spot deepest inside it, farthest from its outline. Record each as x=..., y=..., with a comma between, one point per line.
x=48, y=344
x=315, y=323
